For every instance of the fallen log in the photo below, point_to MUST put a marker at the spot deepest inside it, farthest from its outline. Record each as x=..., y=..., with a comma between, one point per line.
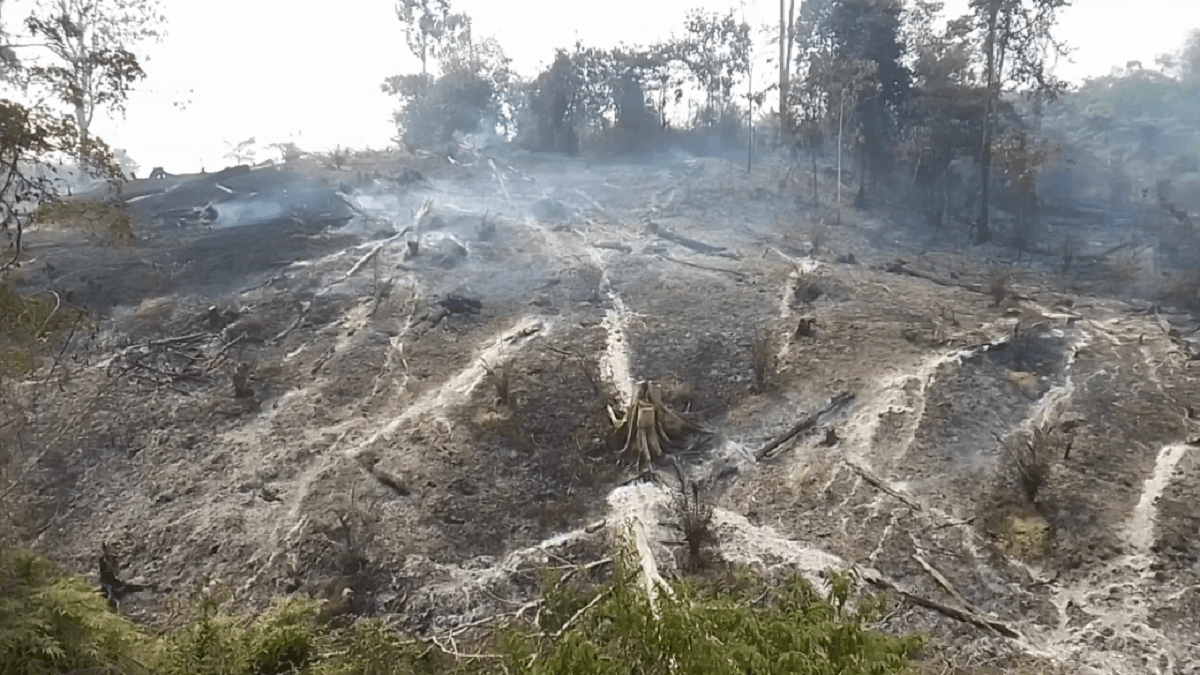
x=900, y=268
x=736, y=274
x=878, y=482
x=698, y=246
x=943, y=581
x=878, y=580
x=370, y=255
x=807, y=422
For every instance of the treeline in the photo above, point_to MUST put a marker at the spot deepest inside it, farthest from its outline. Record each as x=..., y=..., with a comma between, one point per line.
x=891, y=84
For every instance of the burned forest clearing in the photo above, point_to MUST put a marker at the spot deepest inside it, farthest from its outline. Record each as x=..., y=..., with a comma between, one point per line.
x=401, y=386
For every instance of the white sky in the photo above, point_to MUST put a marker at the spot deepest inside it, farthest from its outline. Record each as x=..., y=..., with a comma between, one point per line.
x=309, y=71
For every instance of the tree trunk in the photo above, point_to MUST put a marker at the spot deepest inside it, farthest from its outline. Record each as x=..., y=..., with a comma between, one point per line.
x=861, y=198
x=841, y=113
x=983, y=232
x=816, y=195
x=784, y=71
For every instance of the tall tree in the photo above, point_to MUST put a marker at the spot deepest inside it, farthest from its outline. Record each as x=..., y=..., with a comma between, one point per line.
x=1018, y=41
x=717, y=51
x=947, y=112
x=869, y=31
x=90, y=41
x=424, y=26
x=787, y=20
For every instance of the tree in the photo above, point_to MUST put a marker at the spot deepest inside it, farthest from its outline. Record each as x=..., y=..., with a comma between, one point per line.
x=472, y=84
x=424, y=25
x=716, y=50
x=869, y=32
x=786, y=40
x=1017, y=37
x=126, y=163
x=946, y=118
x=1189, y=59
x=90, y=40
x=31, y=138
x=834, y=80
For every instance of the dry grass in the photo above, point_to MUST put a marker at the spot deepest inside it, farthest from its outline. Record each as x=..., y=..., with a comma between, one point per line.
x=999, y=285
x=694, y=518
x=500, y=380
x=818, y=235
x=762, y=360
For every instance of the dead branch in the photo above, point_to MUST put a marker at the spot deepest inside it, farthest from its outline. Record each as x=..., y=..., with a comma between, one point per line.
x=899, y=267
x=878, y=482
x=795, y=265
x=953, y=612
x=698, y=246
x=57, y=306
x=574, y=617
x=943, y=581
x=225, y=348
x=177, y=340
x=736, y=274
x=369, y=256
x=279, y=338
x=806, y=422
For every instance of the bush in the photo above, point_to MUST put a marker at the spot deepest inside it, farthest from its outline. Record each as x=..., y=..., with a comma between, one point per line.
x=51, y=623
x=434, y=109
x=284, y=639
x=797, y=631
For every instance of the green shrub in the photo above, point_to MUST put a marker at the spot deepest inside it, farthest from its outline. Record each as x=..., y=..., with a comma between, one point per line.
x=51, y=623
x=284, y=639
x=797, y=632
x=371, y=647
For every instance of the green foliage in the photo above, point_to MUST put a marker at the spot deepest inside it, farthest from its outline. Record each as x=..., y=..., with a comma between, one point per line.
x=284, y=639
x=90, y=40
x=691, y=631
x=50, y=623
x=370, y=647
x=433, y=109
x=469, y=93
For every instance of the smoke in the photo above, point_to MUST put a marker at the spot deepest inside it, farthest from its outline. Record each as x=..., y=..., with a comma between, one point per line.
x=247, y=212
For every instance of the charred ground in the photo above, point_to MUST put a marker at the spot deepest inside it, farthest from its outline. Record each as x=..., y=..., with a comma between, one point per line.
x=311, y=404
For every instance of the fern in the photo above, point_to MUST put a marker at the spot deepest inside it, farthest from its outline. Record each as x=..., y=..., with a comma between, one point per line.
x=50, y=623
